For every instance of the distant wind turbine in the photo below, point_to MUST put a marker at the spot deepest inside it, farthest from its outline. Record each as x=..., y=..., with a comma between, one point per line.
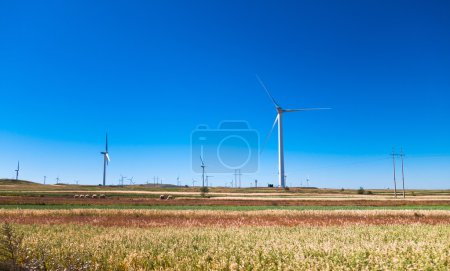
x=17, y=170
x=203, y=171
x=278, y=119
x=207, y=179
x=105, y=160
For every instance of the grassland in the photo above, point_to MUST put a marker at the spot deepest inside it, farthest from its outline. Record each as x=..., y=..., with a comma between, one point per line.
x=75, y=247
x=14, y=187
x=190, y=218
x=226, y=229
x=218, y=207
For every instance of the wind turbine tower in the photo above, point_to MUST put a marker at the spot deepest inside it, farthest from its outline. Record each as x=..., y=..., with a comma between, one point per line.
x=203, y=171
x=279, y=120
x=105, y=160
x=17, y=170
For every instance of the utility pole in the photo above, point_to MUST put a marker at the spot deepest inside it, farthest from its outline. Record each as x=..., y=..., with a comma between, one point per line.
x=240, y=175
x=403, y=172
x=237, y=178
x=121, y=180
x=393, y=163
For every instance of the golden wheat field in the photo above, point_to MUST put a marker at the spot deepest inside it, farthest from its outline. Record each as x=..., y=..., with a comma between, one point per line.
x=228, y=240
x=74, y=247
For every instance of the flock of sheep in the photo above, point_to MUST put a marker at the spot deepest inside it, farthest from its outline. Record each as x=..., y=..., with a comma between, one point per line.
x=103, y=196
x=169, y=197
x=94, y=196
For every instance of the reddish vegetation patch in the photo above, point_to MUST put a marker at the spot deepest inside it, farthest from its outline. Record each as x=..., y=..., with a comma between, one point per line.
x=224, y=219
x=211, y=202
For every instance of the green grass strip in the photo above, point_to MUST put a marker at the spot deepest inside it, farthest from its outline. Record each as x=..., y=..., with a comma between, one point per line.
x=225, y=208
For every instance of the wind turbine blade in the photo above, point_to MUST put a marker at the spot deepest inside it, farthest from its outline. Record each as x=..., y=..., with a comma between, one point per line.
x=304, y=109
x=201, y=159
x=270, y=132
x=267, y=91
x=107, y=157
x=106, y=147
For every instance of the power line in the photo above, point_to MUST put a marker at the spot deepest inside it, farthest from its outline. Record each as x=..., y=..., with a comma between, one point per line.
x=350, y=164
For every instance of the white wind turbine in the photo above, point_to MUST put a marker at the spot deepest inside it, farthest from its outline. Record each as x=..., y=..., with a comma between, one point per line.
x=105, y=160
x=203, y=170
x=279, y=120
x=17, y=170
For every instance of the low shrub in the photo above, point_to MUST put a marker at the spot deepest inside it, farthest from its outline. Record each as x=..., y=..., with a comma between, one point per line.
x=10, y=248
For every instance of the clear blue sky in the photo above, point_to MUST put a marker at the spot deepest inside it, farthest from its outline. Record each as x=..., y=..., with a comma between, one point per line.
x=149, y=72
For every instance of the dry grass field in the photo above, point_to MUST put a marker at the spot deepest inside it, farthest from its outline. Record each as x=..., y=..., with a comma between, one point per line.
x=47, y=228
x=200, y=218
x=76, y=247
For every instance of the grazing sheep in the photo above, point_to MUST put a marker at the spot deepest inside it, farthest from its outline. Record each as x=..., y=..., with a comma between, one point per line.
x=76, y=196
x=169, y=197
x=162, y=197
x=87, y=196
x=102, y=196
x=94, y=196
